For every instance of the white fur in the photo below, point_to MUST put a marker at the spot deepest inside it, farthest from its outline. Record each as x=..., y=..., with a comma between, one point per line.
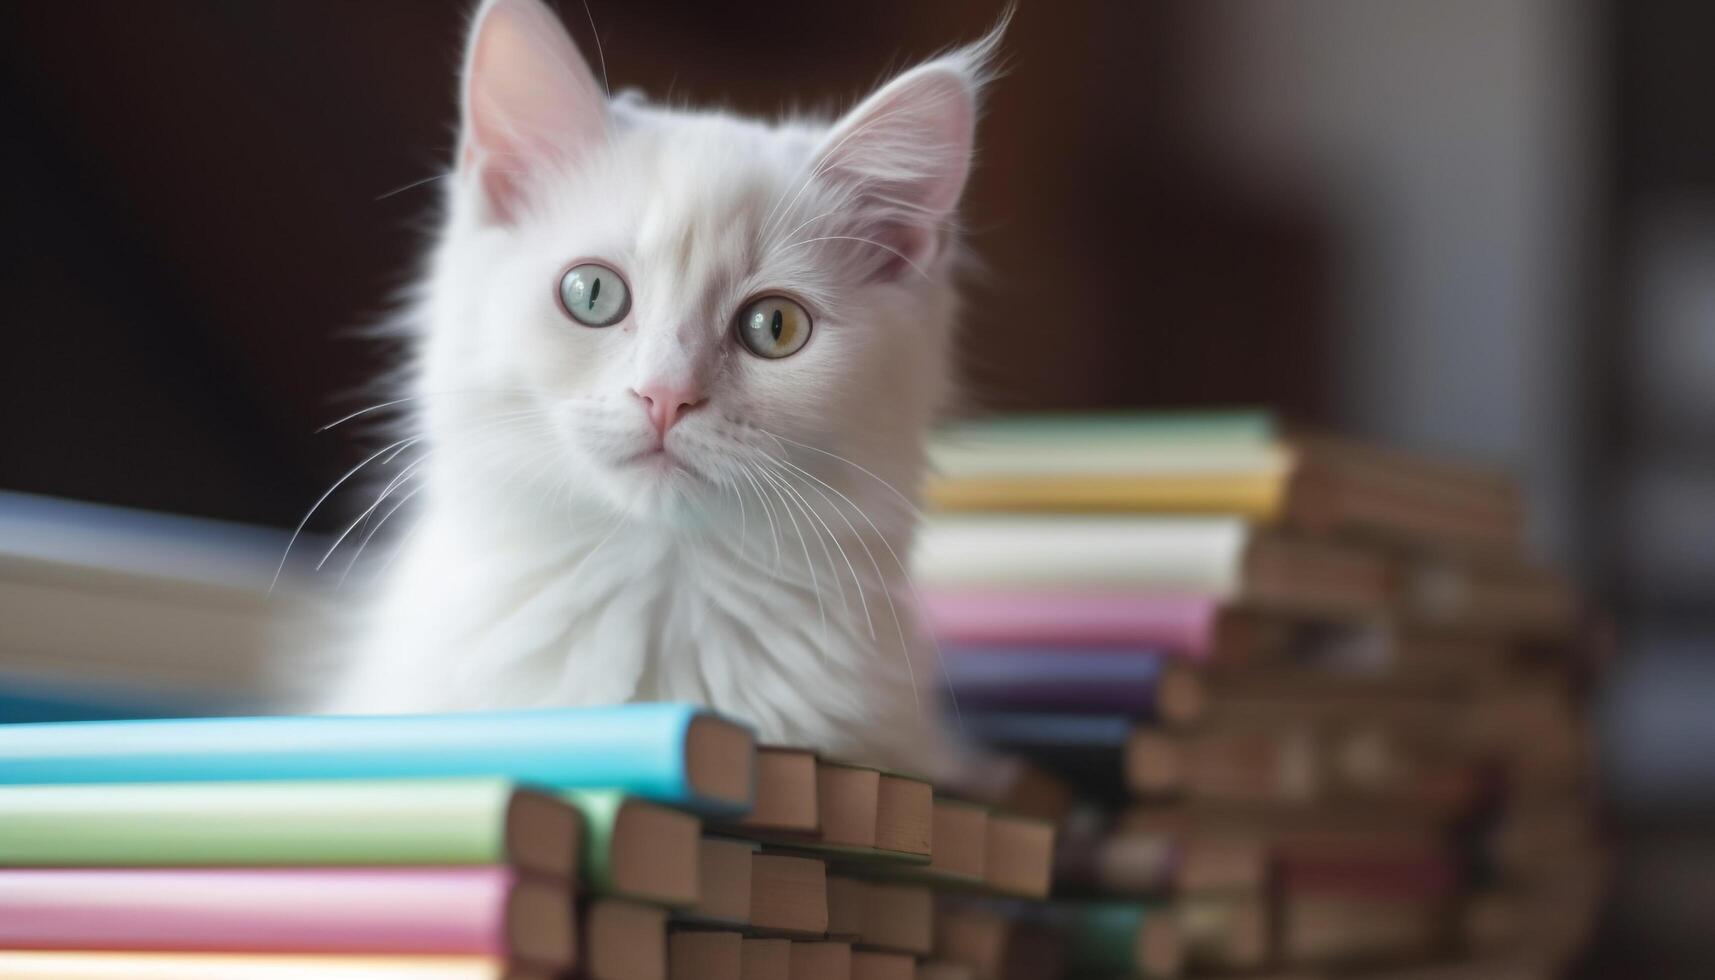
x=760, y=571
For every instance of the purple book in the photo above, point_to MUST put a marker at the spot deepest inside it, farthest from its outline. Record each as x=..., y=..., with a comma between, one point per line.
x=1144, y=685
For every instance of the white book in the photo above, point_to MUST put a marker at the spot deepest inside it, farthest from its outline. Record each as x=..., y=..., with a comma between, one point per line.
x=1226, y=558
x=1205, y=555
x=139, y=601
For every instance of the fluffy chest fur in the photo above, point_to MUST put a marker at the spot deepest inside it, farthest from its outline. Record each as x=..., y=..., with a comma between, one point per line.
x=476, y=617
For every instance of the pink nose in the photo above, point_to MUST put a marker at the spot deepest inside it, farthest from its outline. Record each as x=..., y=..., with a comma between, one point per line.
x=666, y=404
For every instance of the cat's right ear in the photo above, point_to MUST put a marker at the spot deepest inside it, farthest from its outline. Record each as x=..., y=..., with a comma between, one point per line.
x=530, y=102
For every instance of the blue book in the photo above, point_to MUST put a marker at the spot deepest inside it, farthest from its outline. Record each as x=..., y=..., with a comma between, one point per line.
x=1088, y=751
x=1142, y=684
x=673, y=753
x=25, y=699
x=1053, y=731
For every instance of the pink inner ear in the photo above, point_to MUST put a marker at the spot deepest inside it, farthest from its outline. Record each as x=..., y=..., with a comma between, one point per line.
x=910, y=248
x=906, y=152
x=530, y=101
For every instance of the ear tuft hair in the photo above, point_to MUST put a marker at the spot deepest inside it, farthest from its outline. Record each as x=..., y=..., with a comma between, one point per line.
x=904, y=153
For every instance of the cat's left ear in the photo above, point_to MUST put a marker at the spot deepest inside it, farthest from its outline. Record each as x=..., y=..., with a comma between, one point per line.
x=530, y=101
x=905, y=152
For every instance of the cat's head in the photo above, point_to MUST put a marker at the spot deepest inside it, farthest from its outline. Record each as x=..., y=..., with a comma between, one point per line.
x=635, y=303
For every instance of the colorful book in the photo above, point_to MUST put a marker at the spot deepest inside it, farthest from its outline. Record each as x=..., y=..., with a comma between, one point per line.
x=483, y=911
x=134, y=965
x=1145, y=685
x=1240, y=463
x=1092, y=752
x=1121, y=939
x=1227, y=463
x=290, y=822
x=638, y=850
x=172, y=612
x=42, y=699
x=1221, y=558
x=1183, y=624
x=676, y=754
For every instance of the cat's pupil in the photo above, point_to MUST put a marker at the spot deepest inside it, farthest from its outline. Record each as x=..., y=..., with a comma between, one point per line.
x=775, y=324
x=595, y=290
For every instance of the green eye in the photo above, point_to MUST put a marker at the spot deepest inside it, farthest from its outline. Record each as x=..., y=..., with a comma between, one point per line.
x=773, y=327
x=594, y=295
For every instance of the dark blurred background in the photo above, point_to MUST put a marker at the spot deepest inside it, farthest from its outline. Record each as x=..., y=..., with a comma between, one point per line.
x=1485, y=226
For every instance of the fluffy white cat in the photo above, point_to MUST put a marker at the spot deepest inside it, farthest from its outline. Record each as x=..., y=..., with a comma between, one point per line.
x=672, y=373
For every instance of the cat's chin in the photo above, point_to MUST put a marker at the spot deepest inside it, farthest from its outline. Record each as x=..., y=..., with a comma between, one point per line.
x=656, y=482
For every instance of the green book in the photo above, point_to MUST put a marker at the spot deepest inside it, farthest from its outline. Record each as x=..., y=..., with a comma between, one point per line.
x=638, y=850
x=1236, y=426
x=1239, y=441
x=1121, y=939
x=290, y=822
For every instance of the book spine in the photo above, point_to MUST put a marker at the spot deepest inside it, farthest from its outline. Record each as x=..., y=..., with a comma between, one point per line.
x=1259, y=496
x=452, y=910
x=1182, y=625
x=600, y=810
x=1102, y=937
x=1138, y=684
x=1200, y=555
x=637, y=748
x=397, y=822
x=132, y=965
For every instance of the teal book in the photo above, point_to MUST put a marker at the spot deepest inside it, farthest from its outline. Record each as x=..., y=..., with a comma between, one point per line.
x=676, y=754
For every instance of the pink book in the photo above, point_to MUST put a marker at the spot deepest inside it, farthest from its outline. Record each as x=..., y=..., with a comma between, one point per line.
x=1180, y=624
x=477, y=910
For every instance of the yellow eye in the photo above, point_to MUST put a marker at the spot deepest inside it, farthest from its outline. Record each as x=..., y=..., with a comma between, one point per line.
x=773, y=327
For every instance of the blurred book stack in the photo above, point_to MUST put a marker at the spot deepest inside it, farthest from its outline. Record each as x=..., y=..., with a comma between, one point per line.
x=640, y=842
x=1321, y=713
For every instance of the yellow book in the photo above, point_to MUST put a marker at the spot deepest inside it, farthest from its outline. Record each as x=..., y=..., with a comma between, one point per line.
x=71, y=965
x=1259, y=496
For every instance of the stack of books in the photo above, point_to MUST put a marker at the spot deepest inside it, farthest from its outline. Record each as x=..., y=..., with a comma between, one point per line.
x=641, y=842
x=1321, y=712
x=117, y=613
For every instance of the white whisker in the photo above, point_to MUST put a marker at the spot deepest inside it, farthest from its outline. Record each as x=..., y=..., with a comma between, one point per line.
x=856, y=580
x=815, y=523
x=904, y=570
x=322, y=500
x=915, y=512
x=809, y=565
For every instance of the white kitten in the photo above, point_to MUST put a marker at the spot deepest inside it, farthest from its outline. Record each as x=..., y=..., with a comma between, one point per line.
x=673, y=370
